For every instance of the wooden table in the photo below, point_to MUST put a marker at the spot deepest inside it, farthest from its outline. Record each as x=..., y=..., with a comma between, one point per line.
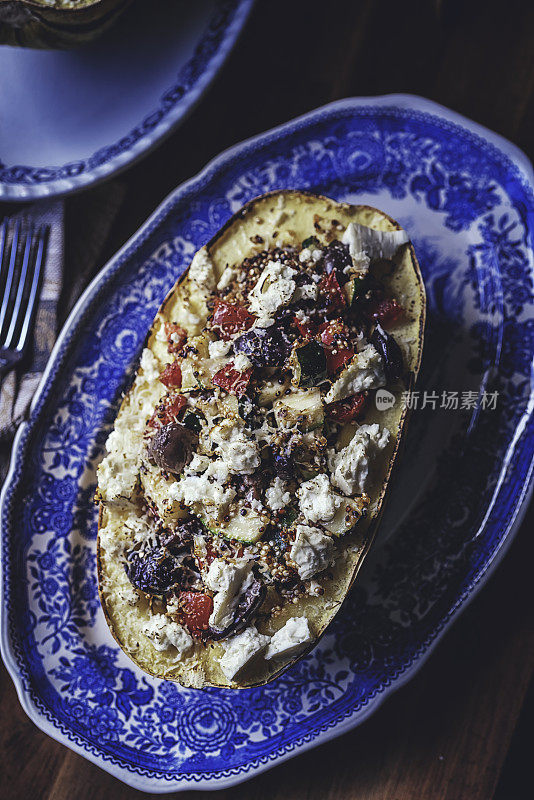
x=463, y=727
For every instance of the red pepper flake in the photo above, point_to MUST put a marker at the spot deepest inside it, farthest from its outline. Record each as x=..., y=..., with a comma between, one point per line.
x=384, y=311
x=196, y=608
x=171, y=377
x=176, y=337
x=229, y=319
x=330, y=289
x=347, y=410
x=233, y=381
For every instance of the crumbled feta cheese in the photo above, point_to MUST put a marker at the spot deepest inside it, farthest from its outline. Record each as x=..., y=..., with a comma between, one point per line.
x=242, y=363
x=207, y=488
x=305, y=255
x=202, y=271
x=350, y=467
x=164, y=633
x=318, y=502
x=149, y=365
x=365, y=371
x=290, y=639
x=240, y=650
x=308, y=291
x=277, y=496
x=301, y=315
x=274, y=289
x=226, y=579
x=219, y=349
x=188, y=319
x=312, y=551
x=376, y=244
x=317, y=254
x=238, y=451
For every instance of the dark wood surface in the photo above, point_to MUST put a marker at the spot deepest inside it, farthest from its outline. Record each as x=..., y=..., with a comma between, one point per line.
x=464, y=727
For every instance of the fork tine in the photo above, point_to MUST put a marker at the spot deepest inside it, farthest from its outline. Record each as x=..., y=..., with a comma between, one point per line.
x=38, y=266
x=10, y=275
x=23, y=277
x=3, y=240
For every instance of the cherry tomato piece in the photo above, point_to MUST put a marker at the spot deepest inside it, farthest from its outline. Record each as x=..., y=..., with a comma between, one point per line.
x=196, y=608
x=171, y=377
x=384, y=311
x=233, y=381
x=230, y=318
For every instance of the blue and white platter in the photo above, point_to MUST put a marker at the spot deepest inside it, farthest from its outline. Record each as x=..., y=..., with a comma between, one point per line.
x=466, y=197
x=71, y=118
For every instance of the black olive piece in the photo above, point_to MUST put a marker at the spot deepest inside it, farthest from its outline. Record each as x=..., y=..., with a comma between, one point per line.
x=265, y=347
x=249, y=602
x=389, y=351
x=171, y=448
x=154, y=573
x=192, y=421
x=181, y=537
x=283, y=466
x=336, y=258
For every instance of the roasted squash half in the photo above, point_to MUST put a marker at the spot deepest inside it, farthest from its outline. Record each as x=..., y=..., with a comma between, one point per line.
x=248, y=466
x=56, y=24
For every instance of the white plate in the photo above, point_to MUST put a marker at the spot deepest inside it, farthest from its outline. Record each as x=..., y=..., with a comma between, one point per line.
x=70, y=118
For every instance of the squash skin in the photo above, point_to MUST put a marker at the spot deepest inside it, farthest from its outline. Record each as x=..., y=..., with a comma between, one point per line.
x=363, y=540
x=25, y=23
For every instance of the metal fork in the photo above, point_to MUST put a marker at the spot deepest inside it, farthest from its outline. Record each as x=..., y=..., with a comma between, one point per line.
x=21, y=263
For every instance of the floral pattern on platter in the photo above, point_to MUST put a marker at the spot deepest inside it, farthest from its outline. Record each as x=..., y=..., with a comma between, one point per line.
x=467, y=206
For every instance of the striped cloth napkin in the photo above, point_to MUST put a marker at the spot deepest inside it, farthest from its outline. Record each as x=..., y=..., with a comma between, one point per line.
x=79, y=228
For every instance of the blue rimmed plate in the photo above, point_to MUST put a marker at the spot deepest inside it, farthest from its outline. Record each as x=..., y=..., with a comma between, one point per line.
x=71, y=118
x=466, y=197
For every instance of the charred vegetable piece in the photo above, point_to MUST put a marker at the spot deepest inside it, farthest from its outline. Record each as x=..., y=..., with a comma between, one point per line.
x=335, y=259
x=230, y=318
x=153, y=573
x=347, y=516
x=355, y=288
x=311, y=241
x=181, y=537
x=249, y=603
x=231, y=380
x=302, y=409
x=347, y=410
x=171, y=448
x=196, y=608
x=265, y=347
x=309, y=364
x=284, y=466
x=389, y=351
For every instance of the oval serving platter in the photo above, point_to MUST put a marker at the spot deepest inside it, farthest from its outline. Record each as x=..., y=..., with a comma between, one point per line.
x=466, y=197
x=90, y=112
